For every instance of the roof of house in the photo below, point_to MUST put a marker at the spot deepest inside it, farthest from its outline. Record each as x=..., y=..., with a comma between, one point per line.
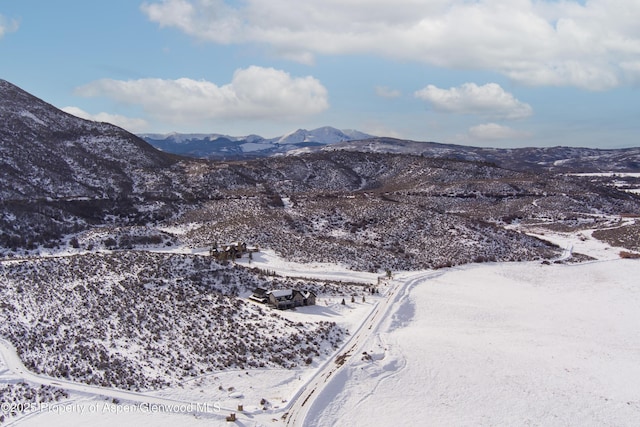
x=279, y=293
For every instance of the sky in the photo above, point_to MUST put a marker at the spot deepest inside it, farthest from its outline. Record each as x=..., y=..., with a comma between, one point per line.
x=492, y=73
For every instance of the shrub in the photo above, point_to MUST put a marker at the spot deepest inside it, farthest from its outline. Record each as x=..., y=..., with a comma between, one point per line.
x=629, y=255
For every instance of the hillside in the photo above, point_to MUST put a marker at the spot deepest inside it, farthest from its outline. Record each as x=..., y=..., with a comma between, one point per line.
x=140, y=320
x=60, y=173
x=87, y=210
x=63, y=176
x=49, y=153
x=554, y=159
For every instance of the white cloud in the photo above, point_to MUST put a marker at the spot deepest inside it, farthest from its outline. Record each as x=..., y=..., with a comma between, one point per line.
x=7, y=26
x=254, y=93
x=488, y=100
x=385, y=92
x=131, y=124
x=494, y=131
x=537, y=42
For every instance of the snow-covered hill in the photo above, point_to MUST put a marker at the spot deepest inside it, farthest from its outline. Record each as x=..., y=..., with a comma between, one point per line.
x=47, y=153
x=60, y=173
x=556, y=159
x=87, y=208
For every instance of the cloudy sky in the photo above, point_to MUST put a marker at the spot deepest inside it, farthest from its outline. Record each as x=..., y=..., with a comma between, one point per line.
x=501, y=73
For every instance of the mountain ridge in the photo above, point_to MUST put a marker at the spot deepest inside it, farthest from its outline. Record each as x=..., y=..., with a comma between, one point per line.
x=215, y=145
x=564, y=159
x=555, y=159
x=46, y=146
x=62, y=175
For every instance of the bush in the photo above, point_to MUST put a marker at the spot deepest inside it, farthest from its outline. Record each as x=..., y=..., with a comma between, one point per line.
x=629, y=255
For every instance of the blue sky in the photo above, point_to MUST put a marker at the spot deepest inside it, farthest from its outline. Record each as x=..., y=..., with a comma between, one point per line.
x=501, y=73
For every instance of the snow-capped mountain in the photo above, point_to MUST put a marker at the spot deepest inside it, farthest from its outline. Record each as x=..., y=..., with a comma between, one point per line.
x=114, y=312
x=226, y=146
x=61, y=174
x=559, y=159
x=324, y=135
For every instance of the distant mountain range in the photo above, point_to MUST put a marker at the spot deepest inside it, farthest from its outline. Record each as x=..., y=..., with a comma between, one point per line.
x=229, y=147
x=558, y=159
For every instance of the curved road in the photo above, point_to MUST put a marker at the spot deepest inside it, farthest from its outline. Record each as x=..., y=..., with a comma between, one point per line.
x=14, y=364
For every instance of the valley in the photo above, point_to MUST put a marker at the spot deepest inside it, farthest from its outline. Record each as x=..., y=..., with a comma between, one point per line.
x=112, y=297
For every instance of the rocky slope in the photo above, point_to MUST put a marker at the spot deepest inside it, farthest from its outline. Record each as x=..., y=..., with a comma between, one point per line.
x=49, y=153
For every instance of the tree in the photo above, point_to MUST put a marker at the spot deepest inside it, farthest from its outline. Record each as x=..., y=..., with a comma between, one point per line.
x=343, y=302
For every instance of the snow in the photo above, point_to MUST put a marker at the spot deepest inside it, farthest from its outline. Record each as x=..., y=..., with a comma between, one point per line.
x=268, y=259
x=255, y=146
x=324, y=135
x=278, y=293
x=610, y=174
x=30, y=115
x=484, y=344
x=502, y=344
x=581, y=242
x=179, y=230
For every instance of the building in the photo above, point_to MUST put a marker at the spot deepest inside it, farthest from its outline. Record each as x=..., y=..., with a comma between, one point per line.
x=283, y=299
x=309, y=298
x=232, y=250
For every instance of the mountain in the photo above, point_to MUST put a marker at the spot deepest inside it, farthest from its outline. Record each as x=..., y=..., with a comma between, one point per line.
x=64, y=176
x=108, y=306
x=556, y=159
x=59, y=171
x=47, y=153
x=324, y=135
x=251, y=146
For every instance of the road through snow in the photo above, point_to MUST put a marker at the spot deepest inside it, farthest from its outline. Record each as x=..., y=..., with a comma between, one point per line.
x=297, y=407
x=306, y=405
x=14, y=364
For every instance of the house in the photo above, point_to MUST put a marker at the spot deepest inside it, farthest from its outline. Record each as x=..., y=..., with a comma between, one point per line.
x=231, y=250
x=283, y=299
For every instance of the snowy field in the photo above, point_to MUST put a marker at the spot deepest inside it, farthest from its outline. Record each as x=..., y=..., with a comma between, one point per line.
x=489, y=344
x=502, y=344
